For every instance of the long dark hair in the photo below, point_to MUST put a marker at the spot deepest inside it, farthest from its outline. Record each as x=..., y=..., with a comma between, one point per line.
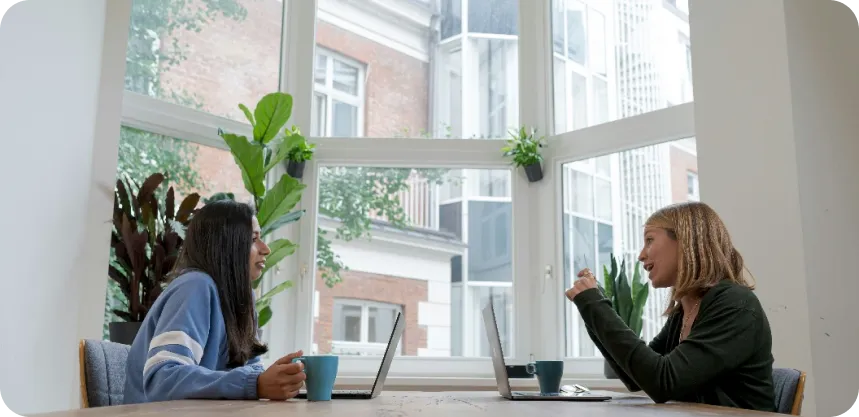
x=218, y=242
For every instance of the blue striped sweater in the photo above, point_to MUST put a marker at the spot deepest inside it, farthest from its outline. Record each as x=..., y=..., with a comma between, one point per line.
x=180, y=351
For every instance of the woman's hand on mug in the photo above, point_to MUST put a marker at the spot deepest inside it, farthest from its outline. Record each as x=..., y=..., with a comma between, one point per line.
x=283, y=379
x=586, y=280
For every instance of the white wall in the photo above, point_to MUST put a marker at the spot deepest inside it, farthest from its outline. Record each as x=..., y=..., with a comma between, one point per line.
x=60, y=99
x=776, y=99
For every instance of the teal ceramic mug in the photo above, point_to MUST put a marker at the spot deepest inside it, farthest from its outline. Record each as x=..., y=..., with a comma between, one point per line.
x=321, y=373
x=549, y=374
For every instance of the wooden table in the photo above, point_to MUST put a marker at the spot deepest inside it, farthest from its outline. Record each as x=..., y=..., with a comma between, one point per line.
x=406, y=404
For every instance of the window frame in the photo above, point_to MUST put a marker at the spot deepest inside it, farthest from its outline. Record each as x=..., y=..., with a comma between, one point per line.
x=364, y=344
x=537, y=252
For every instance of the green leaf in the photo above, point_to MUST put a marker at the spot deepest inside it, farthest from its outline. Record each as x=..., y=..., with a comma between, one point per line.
x=280, y=249
x=282, y=148
x=272, y=113
x=247, y=113
x=249, y=158
x=265, y=300
x=624, y=295
x=264, y=316
x=282, y=221
x=637, y=315
x=279, y=200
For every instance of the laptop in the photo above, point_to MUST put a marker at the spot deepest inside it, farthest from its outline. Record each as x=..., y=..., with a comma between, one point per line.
x=501, y=370
x=390, y=352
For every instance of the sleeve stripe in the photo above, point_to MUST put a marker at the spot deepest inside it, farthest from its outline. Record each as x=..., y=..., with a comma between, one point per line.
x=166, y=356
x=181, y=338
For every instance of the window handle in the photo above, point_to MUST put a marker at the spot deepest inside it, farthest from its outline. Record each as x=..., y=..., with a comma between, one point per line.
x=547, y=277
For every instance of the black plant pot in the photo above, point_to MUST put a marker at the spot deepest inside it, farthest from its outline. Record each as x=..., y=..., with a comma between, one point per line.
x=534, y=172
x=608, y=371
x=123, y=332
x=295, y=169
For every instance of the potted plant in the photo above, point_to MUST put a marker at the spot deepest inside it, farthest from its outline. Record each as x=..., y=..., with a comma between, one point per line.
x=627, y=300
x=524, y=147
x=145, y=244
x=301, y=152
x=255, y=157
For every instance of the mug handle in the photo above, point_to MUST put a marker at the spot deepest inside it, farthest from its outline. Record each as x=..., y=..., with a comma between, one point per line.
x=531, y=368
x=300, y=359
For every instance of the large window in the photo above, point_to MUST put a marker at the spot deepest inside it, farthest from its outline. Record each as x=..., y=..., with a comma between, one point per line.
x=617, y=59
x=210, y=56
x=389, y=237
x=433, y=229
x=606, y=201
x=419, y=83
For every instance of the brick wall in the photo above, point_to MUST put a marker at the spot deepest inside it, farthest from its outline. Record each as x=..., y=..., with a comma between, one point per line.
x=366, y=286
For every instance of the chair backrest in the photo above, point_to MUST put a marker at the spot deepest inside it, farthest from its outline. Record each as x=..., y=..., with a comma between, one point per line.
x=789, y=385
x=102, y=372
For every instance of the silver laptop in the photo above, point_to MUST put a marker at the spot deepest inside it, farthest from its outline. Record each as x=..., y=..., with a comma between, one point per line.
x=501, y=370
x=390, y=352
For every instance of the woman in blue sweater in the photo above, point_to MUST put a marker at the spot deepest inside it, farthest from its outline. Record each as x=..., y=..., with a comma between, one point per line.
x=199, y=340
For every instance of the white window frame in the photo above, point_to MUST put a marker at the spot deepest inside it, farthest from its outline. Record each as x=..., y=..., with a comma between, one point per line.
x=537, y=210
x=358, y=100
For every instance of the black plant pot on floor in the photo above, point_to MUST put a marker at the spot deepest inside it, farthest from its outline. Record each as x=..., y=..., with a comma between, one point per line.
x=123, y=332
x=608, y=371
x=534, y=172
x=295, y=169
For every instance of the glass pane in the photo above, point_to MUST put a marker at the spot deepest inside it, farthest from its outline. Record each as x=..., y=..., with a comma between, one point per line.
x=579, y=100
x=320, y=72
x=576, y=41
x=582, y=199
x=199, y=56
x=318, y=110
x=381, y=323
x=345, y=78
x=347, y=323
x=189, y=167
x=502, y=301
x=405, y=82
x=345, y=121
x=635, y=55
x=388, y=237
x=647, y=179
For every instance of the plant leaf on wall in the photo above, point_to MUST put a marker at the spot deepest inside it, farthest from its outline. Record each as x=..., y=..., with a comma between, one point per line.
x=280, y=200
x=272, y=113
x=249, y=158
x=282, y=147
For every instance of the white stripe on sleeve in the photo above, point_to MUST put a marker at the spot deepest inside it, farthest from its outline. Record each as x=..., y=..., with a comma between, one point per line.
x=177, y=337
x=166, y=356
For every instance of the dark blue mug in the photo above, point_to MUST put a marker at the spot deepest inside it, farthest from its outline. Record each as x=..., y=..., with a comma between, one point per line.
x=549, y=374
x=321, y=373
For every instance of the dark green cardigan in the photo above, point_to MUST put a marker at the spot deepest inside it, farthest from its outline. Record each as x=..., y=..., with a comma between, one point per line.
x=726, y=359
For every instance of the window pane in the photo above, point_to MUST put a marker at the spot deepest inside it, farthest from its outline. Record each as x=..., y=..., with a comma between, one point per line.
x=345, y=121
x=347, y=322
x=647, y=179
x=403, y=82
x=579, y=100
x=389, y=238
x=635, y=55
x=320, y=72
x=318, y=110
x=200, y=56
x=189, y=168
x=345, y=78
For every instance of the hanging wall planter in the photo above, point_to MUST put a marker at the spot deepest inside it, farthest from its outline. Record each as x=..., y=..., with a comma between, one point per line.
x=295, y=169
x=524, y=148
x=534, y=172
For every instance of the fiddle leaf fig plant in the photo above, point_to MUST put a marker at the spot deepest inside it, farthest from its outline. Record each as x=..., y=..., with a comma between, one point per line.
x=627, y=300
x=256, y=157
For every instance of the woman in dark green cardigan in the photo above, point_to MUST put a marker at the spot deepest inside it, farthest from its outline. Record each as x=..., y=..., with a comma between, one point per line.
x=716, y=346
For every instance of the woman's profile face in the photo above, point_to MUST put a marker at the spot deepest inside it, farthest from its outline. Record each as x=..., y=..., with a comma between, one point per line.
x=659, y=257
x=259, y=250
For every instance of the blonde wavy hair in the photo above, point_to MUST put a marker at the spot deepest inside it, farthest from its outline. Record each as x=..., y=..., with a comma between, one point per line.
x=706, y=255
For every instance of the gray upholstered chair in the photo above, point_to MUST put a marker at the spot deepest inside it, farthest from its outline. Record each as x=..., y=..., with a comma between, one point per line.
x=102, y=367
x=789, y=387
